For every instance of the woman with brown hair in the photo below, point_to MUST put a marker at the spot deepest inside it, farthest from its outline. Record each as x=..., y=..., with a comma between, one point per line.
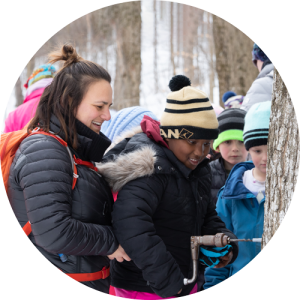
x=53, y=188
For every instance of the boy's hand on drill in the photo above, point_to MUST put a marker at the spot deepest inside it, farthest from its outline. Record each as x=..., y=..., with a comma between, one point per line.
x=224, y=260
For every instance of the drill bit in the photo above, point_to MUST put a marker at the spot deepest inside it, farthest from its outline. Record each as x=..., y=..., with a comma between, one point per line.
x=255, y=240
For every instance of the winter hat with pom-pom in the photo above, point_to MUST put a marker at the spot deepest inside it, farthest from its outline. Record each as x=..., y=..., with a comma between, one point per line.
x=227, y=95
x=188, y=113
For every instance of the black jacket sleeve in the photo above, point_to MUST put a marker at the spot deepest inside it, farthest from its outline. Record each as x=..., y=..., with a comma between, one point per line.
x=134, y=228
x=43, y=170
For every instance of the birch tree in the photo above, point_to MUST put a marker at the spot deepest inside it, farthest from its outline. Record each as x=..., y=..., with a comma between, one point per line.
x=283, y=158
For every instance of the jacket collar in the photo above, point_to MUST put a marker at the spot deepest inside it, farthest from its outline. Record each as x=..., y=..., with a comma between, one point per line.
x=218, y=164
x=91, y=146
x=34, y=94
x=234, y=187
x=266, y=70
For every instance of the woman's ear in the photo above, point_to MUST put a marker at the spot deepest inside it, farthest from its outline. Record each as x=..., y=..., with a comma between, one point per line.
x=217, y=149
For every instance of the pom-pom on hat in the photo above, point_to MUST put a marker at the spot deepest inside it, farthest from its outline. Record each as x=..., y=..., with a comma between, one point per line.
x=231, y=125
x=188, y=113
x=257, y=53
x=43, y=71
x=256, y=129
x=228, y=95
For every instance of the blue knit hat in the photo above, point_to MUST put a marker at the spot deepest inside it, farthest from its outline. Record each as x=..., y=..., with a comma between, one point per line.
x=124, y=120
x=227, y=95
x=257, y=53
x=256, y=129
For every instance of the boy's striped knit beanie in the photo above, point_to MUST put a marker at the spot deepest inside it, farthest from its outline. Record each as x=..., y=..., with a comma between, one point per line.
x=231, y=125
x=256, y=128
x=188, y=113
x=43, y=71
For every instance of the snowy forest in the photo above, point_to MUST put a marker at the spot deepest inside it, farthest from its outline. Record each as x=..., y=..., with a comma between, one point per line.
x=143, y=44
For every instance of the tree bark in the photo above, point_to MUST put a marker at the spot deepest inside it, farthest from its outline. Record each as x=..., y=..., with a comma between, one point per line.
x=211, y=47
x=172, y=39
x=283, y=158
x=30, y=67
x=128, y=50
x=18, y=92
x=189, y=39
x=234, y=65
x=155, y=48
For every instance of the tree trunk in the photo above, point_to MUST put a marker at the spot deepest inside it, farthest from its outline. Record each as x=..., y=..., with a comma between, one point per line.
x=211, y=47
x=18, y=92
x=221, y=50
x=172, y=39
x=155, y=47
x=89, y=37
x=30, y=67
x=283, y=158
x=234, y=65
x=189, y=42
x=128, y=44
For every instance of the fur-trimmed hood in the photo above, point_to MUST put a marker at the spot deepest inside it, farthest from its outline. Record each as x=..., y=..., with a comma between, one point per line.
x=128, y=166
x=121, y=169
x=135, y=155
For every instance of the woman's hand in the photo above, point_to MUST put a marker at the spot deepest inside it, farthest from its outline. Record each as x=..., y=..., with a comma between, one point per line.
x=119, y=255
x=224, y=260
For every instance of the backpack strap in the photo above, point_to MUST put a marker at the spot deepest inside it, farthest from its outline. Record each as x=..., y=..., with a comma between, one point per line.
x=75, y=161
x=81, y=277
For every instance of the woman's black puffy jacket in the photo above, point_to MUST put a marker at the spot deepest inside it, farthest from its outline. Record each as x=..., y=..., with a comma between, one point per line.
x=73, y=222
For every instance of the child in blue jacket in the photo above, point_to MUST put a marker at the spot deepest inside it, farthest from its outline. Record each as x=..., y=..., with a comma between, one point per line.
x=241, y=201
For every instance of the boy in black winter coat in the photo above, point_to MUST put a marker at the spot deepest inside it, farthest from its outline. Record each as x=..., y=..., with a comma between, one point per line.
x=231, y=146
x=164, y=181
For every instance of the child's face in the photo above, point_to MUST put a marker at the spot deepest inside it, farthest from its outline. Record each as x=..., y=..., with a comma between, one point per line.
x=233, y=152
x=189, y=152
x=259, y=157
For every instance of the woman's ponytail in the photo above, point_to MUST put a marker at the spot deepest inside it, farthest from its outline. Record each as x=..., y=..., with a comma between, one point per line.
x=67, y=53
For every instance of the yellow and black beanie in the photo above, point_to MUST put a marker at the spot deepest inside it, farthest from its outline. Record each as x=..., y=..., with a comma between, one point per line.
x=188, y=113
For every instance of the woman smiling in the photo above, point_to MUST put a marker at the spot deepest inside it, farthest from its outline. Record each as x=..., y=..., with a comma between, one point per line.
x=54, y=188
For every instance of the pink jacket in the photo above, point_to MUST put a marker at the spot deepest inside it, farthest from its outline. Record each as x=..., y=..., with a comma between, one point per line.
x=19, y=117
